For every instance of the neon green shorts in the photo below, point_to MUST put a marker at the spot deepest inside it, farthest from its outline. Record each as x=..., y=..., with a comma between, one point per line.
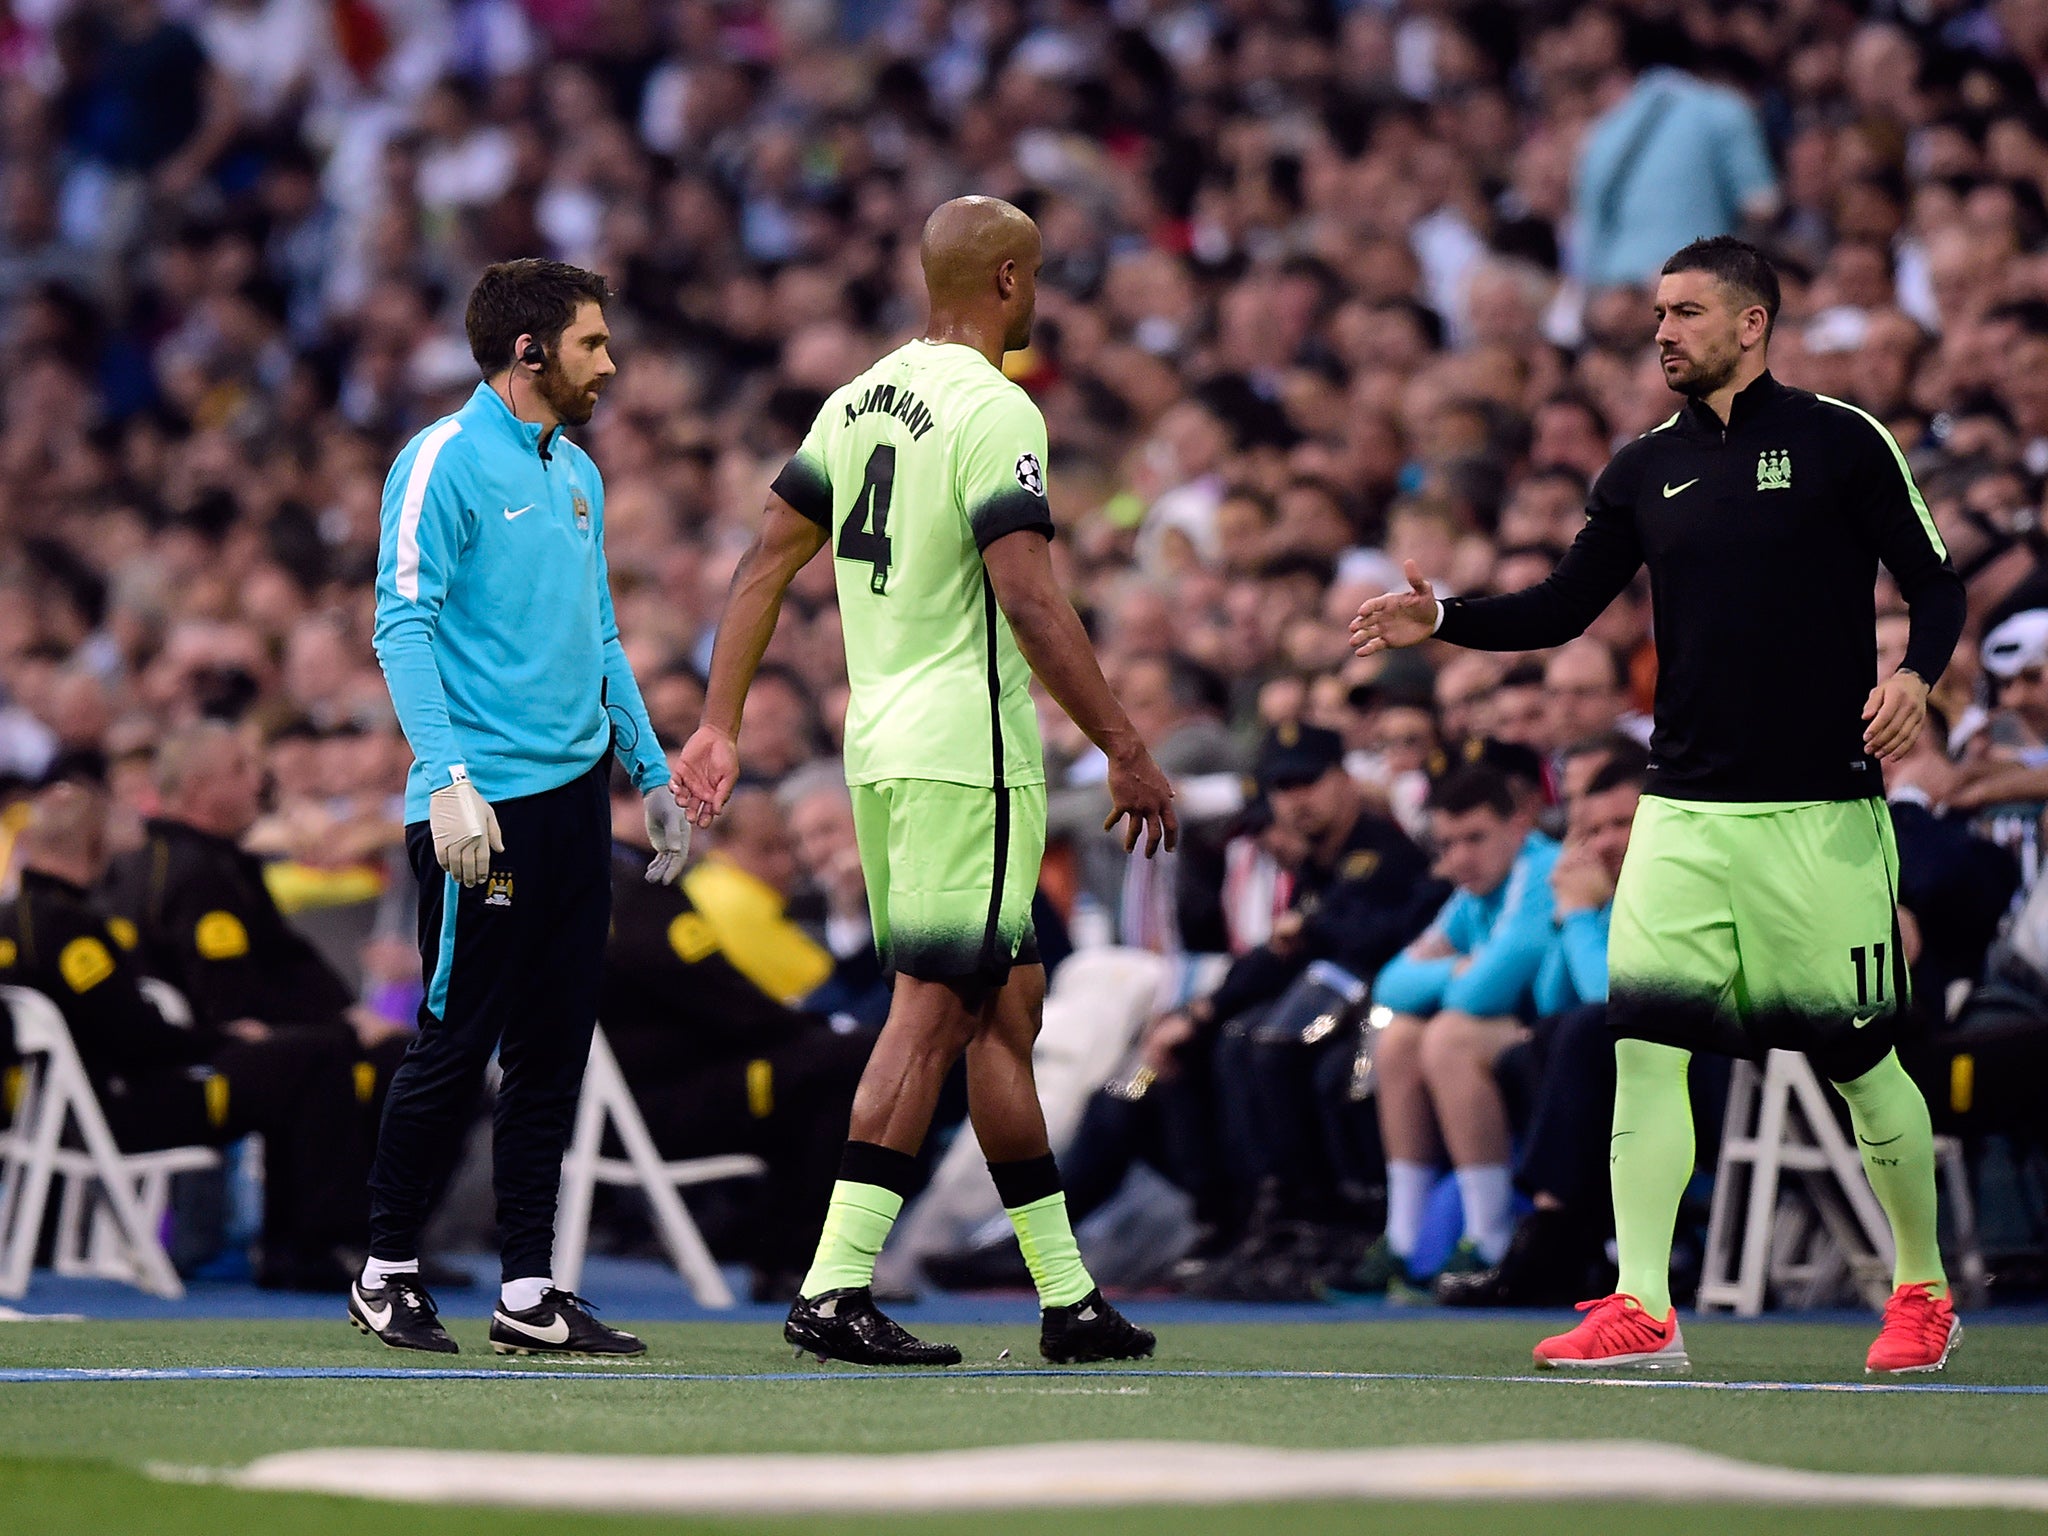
x=951, y=870
x=1742, y=929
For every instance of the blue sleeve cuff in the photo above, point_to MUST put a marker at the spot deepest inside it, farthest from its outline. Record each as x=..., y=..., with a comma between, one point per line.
x=1413, y=986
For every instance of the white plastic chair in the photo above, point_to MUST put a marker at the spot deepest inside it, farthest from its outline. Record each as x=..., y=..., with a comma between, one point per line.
x=607, y=1098
x=1781, y=1122
x=125, y=1192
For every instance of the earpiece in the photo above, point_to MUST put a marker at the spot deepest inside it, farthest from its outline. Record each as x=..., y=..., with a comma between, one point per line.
x=533, y=354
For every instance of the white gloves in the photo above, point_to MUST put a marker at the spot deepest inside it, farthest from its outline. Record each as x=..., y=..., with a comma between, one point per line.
x=465, y=830
x=669, y=831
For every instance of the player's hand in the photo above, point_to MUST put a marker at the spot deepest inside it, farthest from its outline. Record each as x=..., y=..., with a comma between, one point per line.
x=1138, y=789
x=706, y=770
x=1397, y=619
x=465, y=830
x=668, y=834
x=1895, y=710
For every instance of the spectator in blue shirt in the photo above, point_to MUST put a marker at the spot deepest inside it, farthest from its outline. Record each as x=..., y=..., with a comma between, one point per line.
x=1673, y=160
x=1457, y=995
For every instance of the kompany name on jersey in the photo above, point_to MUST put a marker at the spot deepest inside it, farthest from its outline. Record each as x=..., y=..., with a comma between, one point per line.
x=890, y=401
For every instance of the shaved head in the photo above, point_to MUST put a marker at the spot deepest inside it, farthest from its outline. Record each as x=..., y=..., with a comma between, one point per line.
x=980, y=257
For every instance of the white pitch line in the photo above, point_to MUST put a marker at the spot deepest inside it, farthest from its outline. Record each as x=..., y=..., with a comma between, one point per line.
x=1086, y=1473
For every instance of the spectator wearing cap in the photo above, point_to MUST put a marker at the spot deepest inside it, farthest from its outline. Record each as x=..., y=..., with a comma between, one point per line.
x=2015, y=654
x=1362, y=889
x=1358, y=888
x=1456, y=997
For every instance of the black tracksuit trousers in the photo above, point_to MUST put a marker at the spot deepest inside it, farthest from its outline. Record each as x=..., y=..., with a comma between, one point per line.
x=512, y=965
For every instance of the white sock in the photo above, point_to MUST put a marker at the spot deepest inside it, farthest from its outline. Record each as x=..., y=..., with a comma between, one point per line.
x=374, y=1270
x=1408, y=1187
x=1487, y=1192
x=518, y=1295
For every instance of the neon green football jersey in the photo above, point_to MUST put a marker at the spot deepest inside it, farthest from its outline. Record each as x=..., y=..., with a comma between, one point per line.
x=912, y=470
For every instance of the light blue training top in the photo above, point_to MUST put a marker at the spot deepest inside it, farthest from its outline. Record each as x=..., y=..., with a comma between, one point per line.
x=1504, y=933
x=494, y=612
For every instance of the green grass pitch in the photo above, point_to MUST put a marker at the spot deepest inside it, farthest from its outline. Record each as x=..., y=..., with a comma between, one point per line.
x=72, y=1453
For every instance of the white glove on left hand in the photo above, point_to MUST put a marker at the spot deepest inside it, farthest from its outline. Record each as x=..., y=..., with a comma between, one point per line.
x=669, y=831
x=465, y=829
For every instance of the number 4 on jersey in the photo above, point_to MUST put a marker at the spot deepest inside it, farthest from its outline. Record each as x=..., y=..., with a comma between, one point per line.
x=865, y=533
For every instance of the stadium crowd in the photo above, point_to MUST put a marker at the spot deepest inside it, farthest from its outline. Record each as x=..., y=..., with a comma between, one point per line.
x=1327, y=288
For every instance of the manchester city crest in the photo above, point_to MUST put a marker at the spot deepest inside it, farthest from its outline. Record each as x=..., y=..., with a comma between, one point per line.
x=580, y=504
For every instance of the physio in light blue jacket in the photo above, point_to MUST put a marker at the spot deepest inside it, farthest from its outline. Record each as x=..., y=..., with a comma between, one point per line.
x=496, y=633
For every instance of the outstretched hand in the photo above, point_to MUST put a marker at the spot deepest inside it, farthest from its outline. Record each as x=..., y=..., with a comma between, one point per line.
x=706, y=770
x=1895, y=710
x=1397, y=619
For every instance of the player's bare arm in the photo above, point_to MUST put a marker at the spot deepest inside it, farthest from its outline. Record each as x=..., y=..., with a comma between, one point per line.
x=1050, y=635
x=710, y=761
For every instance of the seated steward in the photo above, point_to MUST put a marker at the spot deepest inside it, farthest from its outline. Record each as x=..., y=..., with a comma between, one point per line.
x=1361, y=890
x=206, y=922
x=716, y=1064
x=162, y=1086
x=742, y=886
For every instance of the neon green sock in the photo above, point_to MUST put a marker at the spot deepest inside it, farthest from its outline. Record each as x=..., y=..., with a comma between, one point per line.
x=1896, y=1138
x=1050, y=1251
x=857, y=1223
x=1649, y=1162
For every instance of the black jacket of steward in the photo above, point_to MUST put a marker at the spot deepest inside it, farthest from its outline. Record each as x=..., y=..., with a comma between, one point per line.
x=209, y=926
x=56, y=940
x=672, y=1004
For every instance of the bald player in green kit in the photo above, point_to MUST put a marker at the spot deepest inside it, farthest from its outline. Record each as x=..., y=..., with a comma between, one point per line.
x=927, y=476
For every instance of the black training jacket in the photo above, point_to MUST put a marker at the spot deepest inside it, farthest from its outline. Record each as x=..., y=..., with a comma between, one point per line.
x=1762, y=540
